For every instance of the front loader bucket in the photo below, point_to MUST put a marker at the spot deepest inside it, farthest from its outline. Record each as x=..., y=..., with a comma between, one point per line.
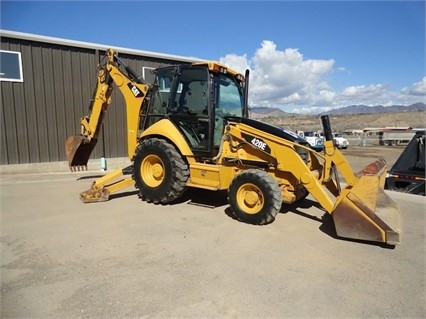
x=365, y=212
x=78, y=151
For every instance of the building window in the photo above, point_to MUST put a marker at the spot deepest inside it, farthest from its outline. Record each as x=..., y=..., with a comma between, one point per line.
x=147, y=74
x=11, y=66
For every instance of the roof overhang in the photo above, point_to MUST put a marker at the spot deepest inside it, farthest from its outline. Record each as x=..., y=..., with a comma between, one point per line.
x=95, y=46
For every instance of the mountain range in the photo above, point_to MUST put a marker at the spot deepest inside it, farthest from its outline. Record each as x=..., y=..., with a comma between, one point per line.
x=351, y=109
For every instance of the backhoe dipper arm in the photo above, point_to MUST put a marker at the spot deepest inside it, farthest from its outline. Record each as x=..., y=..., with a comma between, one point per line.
x=112, y=70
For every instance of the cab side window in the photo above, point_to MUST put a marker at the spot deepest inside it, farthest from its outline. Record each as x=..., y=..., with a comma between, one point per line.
x=189, y=104
x=193, y=96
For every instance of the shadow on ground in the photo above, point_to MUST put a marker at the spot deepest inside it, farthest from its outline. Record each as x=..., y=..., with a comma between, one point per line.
x=213, y=199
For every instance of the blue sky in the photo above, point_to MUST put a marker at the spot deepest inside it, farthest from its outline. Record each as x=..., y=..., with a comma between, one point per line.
x=304, y=56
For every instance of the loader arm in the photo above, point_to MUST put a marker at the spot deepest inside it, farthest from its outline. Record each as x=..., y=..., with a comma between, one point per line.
x=112, y=71
x=361, y=210
x=288, y=160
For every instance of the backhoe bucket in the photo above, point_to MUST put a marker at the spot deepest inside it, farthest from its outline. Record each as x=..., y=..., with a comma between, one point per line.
x=78, y=151
x=365, y=212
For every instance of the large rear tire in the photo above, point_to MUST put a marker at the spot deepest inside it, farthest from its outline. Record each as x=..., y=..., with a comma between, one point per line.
x=159, y=171
x=255, y=197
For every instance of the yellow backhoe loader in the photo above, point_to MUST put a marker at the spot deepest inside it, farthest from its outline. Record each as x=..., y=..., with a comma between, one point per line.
x=191, y=128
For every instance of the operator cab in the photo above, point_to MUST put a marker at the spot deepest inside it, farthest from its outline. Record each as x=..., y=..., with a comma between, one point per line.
x=196, y=98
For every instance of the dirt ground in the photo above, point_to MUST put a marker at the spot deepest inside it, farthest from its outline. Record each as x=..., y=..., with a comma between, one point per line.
x=359, y=156
x=345, y=122
x=61, y=258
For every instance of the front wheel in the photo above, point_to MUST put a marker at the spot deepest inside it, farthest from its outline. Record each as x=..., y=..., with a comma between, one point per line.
x=160, y=173
x=255, y=197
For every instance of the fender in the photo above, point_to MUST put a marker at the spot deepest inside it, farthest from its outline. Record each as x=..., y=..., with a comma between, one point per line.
x=166, y=129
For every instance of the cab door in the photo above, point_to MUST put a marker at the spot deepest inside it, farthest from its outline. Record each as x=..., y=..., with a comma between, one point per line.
x=189, y=107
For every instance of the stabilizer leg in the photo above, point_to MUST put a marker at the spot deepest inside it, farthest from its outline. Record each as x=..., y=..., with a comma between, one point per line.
x=103, y=187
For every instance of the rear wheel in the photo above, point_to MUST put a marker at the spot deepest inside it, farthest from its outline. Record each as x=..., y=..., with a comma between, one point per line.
x=255, y=197
x=160, y=173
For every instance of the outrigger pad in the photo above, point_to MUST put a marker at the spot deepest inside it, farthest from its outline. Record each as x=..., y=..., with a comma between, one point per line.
x=94, y=195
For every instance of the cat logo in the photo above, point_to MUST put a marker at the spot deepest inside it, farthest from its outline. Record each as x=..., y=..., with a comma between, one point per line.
x=136, y=92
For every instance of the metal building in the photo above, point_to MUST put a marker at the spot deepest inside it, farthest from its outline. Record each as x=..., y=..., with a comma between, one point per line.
x=46, y=87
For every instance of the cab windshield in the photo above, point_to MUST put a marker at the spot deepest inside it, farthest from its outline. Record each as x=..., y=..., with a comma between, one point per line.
x=230, y=100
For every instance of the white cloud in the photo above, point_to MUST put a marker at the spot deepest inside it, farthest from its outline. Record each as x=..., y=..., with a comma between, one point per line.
x=286, y=79
x=237, y=62
x=417, y=89
x=363, y=93
x=362, y=89
x=281, y=77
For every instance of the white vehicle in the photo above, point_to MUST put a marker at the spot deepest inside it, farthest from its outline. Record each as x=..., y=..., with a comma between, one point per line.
x=314, y=139
x=340, y=141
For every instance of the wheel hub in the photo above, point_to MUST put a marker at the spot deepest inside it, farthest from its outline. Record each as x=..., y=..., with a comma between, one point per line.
x=251, y=198
x=152, y=171
x=157, y=171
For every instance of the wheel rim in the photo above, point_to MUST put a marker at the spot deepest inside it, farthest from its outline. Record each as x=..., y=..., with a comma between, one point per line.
x=250, y=198
x=152, y=171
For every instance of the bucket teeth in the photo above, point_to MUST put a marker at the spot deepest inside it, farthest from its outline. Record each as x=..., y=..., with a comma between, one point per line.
x=374, y=168
x=78, y=150
x=78, y=168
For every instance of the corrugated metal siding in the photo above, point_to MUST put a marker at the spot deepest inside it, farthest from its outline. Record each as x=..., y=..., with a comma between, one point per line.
x=13, y=101
x=38, y=114
x=43, y=110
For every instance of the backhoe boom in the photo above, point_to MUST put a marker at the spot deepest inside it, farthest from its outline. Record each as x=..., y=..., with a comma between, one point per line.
x=134, y=90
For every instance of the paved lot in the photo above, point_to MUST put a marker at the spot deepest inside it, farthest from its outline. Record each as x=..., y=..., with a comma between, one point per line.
x=126, y=258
